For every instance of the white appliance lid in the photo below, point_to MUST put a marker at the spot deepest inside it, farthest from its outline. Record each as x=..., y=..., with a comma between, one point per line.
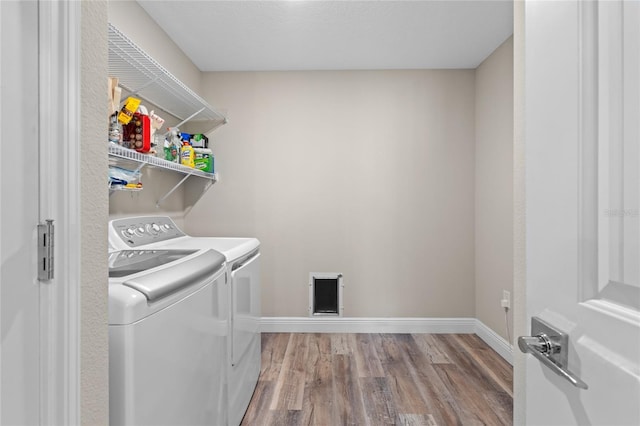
x=173, y=276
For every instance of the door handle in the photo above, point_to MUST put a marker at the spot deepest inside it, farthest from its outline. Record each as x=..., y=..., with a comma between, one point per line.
x=550, y=346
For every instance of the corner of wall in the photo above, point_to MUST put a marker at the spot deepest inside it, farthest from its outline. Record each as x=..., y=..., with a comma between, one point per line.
x=94, y=346
x=494, y=186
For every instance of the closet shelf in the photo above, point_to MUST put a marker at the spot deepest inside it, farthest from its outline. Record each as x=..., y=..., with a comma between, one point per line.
x=144, y=159
x=119, y=154
x=143, y=77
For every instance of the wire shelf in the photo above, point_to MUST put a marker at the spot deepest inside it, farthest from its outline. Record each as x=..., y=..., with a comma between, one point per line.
x=144, y=159
x=145, y=78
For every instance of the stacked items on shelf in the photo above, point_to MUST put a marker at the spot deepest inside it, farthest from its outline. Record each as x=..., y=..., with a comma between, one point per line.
x=190, y=150
x=132, y=127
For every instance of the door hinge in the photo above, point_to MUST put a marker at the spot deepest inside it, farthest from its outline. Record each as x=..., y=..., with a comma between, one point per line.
x=45, y=250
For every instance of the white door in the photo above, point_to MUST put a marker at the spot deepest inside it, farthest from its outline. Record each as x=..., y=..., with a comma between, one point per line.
x=582, y=131
x=19, y=290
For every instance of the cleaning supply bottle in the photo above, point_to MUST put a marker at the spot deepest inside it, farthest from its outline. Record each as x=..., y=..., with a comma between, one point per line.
x=187, y=155
x=172, y=153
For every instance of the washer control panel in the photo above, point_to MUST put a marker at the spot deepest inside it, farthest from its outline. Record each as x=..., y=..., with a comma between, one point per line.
x=143, y=230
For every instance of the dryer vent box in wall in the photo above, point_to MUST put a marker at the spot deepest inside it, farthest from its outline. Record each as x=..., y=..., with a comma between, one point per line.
x=325, y=294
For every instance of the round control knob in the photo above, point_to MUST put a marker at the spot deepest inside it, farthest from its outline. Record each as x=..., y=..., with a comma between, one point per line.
x=129, y=232
x=139, y=231
x=153, y=229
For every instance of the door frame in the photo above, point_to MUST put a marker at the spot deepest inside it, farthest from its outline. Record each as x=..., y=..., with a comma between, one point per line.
x=520, y=325
x=59, y=165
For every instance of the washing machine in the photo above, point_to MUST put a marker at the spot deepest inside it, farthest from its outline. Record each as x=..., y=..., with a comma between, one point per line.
x=243, y=281
x=167, y=337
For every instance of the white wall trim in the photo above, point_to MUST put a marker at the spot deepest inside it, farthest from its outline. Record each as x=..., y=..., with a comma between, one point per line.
x=367, y=325
x=495, y=341
x=389, y=325
x=59, y=165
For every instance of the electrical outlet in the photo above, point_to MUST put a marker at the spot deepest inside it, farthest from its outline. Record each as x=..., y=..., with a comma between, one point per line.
x=506, y=299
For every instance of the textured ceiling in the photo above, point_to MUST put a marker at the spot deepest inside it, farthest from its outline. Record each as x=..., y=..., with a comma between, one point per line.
x=334, y=35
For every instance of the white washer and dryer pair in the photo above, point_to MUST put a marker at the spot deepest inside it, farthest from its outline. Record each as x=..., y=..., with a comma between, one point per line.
x=242, y=276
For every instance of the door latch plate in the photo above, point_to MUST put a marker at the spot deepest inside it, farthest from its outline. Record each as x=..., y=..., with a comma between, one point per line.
x=559, y=340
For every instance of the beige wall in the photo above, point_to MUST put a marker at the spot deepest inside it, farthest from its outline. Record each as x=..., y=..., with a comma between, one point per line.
x=94, y=349
x=494, y=186
x=368, y=173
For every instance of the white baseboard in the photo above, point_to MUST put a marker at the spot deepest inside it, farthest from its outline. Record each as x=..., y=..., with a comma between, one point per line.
x=495, y=341
x=367, y=325
x=388, y=325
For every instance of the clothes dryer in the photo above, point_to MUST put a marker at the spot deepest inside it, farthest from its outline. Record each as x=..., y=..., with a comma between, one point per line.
x=243, y=281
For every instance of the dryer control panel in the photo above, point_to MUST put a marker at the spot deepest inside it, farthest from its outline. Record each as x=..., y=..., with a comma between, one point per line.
x=142, y=230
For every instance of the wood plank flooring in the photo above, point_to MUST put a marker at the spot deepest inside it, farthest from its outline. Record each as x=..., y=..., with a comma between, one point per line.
x=380, y=379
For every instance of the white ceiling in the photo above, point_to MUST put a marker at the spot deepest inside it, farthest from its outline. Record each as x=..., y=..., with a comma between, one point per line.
x=334, y=35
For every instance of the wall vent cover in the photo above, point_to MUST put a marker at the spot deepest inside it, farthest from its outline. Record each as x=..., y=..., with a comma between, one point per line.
x=325, y=294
